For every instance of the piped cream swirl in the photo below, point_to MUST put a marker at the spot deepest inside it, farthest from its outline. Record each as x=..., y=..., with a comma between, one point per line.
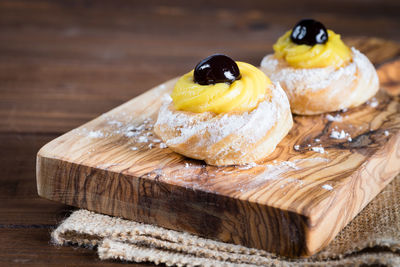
x=242, y=95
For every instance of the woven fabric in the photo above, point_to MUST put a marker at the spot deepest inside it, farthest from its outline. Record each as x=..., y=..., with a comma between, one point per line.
x=373, y=237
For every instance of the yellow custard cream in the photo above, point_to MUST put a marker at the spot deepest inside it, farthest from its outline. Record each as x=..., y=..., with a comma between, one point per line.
x=333, y=53
x=242, y=95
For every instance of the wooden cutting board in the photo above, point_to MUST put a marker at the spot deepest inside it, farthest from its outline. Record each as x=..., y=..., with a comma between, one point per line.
x=293, y=203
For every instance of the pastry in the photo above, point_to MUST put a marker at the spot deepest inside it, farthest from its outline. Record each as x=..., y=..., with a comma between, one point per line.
x=318, y=72
x=225, y=113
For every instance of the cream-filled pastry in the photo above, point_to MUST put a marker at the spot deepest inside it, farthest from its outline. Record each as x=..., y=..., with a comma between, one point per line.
x=225, y=113
x=318, y=72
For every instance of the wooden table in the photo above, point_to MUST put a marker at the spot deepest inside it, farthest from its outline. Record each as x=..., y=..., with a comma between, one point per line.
x=63, y=63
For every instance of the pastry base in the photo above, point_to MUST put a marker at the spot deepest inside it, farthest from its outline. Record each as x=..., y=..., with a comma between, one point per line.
x=227, y=138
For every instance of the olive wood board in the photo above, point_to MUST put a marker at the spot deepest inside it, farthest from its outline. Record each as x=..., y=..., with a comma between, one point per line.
x=293, y=203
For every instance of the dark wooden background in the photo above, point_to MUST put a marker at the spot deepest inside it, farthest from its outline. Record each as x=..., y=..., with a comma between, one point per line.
x=63, y=63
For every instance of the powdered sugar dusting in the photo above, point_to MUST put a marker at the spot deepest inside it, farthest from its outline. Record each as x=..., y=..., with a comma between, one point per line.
x=142, y=134
x=274, y=171
x=238, y=175
x=279, y=170
x=138, y=136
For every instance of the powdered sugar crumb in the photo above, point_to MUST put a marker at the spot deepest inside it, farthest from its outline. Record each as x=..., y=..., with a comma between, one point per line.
x=142, y=139
x=290, y=164
x=115, y=122
x=335, y=134
x=130, y=134
x=373, y=102
x=327, y=187
x=337, y=117
x=318, y=149
x=95, y=134
x=247, y=166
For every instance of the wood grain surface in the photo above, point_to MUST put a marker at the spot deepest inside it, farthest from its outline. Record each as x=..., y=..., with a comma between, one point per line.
x=293, y=203
x=59, y=59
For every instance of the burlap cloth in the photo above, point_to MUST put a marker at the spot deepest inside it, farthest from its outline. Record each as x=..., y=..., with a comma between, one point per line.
x=373, y=237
